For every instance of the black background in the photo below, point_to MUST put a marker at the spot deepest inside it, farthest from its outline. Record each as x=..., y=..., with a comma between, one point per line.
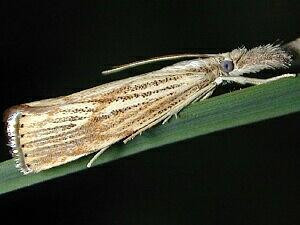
x=245, y=175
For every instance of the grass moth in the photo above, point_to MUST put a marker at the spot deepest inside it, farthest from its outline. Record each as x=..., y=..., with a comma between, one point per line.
x=48, y=133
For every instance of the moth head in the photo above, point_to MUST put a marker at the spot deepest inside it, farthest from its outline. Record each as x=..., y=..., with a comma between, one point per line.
x=241, y=61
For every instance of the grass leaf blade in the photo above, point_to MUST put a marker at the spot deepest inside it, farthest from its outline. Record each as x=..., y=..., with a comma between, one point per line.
x=237, y=108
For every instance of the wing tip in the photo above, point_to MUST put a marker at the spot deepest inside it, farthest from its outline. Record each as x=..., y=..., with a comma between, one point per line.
x=12, y=118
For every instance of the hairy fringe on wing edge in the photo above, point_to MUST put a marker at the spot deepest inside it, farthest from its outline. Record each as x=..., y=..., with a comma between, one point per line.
x=14, y=141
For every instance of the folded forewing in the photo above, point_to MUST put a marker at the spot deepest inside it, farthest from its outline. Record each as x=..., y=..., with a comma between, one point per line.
x=52, y=132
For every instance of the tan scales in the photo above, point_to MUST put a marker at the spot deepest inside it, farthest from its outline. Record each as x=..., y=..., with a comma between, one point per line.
x=52, y=132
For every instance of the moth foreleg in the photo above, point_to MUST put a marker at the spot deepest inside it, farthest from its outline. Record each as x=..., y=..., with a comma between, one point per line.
x=153, y=123
x=175, y=110
x=201, y=94
x=205, y=96
x=170, y=116
x=254, y=81
x=96, y=156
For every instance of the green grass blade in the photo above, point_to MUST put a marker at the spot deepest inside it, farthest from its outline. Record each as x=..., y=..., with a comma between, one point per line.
x=230, y=110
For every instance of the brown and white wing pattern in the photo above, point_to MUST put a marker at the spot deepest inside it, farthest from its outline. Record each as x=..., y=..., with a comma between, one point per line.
x=48, y=133
x=51, y=132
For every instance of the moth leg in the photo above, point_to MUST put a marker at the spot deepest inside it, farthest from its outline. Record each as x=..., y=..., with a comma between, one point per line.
x=144, y=128
x=202, y=94
x=255, y=81
x=174, y=111
x=169, y=117
x=165, y=116
x=207, y=95
x=96, y=156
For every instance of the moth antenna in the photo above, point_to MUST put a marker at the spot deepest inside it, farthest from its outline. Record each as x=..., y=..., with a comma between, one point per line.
x=152, y=60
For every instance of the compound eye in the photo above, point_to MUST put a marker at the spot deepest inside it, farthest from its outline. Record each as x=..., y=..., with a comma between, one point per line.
x=227, y=66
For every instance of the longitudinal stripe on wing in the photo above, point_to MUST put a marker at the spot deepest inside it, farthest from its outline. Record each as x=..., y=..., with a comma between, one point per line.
x=123, y=98
x=76, y=128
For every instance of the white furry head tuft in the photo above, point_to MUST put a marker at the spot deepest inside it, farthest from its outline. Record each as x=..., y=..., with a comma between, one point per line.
x=259, y=58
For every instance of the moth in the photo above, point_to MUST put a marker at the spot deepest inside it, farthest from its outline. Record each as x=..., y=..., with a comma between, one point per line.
x=48, y=133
